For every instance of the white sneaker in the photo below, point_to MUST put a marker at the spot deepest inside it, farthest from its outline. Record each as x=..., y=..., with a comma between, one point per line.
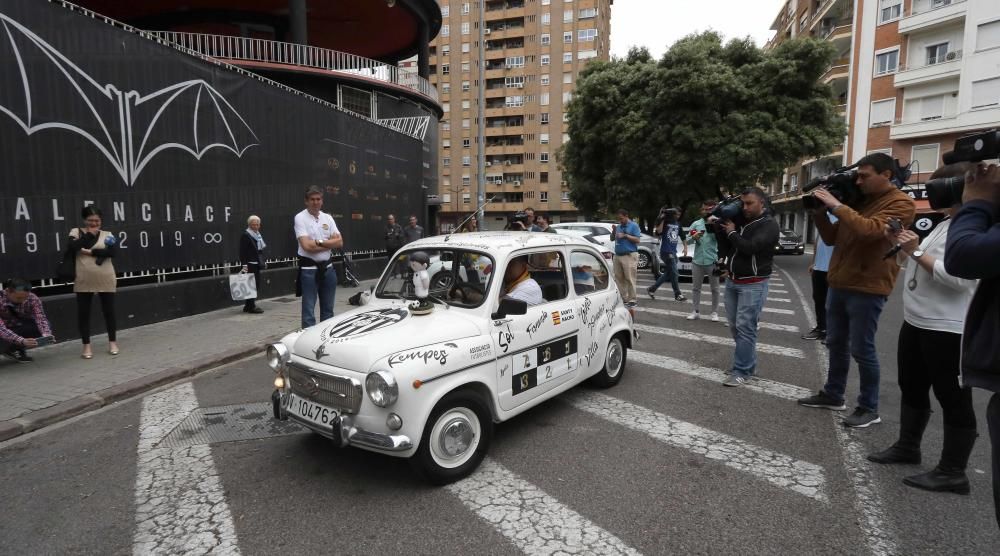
x=693, y=316
x=715, y=317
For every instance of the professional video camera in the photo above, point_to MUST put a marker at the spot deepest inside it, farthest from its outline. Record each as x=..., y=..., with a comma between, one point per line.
x=518, y=222
x=947, y=192
x=842, y=184
x=730, y=208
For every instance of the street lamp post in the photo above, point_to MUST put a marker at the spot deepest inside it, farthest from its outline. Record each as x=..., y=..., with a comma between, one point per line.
x=481, y=119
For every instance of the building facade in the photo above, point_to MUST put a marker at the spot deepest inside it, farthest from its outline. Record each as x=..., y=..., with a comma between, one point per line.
x=911, y=76
x=533, y=52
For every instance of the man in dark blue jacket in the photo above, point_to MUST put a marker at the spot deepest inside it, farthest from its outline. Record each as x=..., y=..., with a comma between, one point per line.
x=973, y=251
x=749, y=250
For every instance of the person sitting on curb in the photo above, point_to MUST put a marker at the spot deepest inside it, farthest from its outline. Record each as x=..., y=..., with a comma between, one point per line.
x=22, y=320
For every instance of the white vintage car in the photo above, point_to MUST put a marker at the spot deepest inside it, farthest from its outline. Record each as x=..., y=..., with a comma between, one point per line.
x=430, y=387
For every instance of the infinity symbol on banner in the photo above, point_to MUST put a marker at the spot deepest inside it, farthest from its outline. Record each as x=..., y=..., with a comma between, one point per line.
x=213, y=238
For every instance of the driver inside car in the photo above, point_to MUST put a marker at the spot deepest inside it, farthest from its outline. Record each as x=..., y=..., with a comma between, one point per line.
x=518, y=284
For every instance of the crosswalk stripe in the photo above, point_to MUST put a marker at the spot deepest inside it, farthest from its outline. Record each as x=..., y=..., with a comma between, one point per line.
x=699, y=337
x=776, y=468
x=770, y=387
x=531, y=519
x=704, y=289
x=708, y=302
x=705, y=316
x=180, y=505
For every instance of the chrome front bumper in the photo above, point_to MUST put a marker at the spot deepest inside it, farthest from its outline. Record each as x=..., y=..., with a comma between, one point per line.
x=343, y=432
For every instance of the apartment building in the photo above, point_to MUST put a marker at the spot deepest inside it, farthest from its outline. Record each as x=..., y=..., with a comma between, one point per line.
x=534, y=51
x=911, y=76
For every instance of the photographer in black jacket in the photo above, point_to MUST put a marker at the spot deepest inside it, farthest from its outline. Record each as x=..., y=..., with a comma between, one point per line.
x=748, y=247
x=973, y=251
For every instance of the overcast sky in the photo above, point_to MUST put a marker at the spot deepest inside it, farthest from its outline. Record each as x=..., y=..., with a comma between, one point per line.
x=656, y=24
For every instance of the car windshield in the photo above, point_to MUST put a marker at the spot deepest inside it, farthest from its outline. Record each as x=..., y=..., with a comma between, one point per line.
x=458, y=277
x=788, y=234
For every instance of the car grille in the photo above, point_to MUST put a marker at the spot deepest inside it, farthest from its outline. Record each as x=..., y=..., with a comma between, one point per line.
x=339, y=392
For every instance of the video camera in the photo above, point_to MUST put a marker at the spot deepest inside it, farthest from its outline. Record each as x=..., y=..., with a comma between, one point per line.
x=947, y=192
x=842, y=184
x=518, y=222
x=730, y=208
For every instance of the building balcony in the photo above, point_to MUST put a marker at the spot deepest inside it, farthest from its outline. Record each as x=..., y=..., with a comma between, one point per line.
x=503, y=32
x=927, y=14
x=840, y=69
x=828, y=7
x=786, y=196
x=495, y=131
x=495, y=92
x=909, y=127
x=948, y=67
x=842, y=33
x=499, y=150
x=245, y=51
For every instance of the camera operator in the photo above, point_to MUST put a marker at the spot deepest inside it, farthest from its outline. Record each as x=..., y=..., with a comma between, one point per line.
x=928, y=353
x=973, y=251
x=749, y=249
x=860, y=277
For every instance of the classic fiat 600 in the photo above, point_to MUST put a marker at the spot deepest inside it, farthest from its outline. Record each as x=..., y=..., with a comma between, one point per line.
x=503, y=322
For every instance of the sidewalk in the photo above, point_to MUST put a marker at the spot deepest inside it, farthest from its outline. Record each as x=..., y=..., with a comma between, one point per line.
x=59, y=384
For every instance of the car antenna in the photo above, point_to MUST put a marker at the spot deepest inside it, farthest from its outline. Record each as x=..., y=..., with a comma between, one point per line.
x=467, y=218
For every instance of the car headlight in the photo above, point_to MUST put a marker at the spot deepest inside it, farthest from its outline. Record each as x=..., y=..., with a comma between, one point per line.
x=382, y=388
x=277, y=356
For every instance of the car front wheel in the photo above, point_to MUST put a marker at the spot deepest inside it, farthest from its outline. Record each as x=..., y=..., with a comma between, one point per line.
x=456, y=438
x=614, y=364
x=644, y=260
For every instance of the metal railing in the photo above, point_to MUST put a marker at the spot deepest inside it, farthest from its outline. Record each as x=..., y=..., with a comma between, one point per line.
x=951, y=56
x=227, y=47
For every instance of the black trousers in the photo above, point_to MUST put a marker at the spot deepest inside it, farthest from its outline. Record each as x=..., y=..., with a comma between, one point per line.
x=83, y=303
x=25, y=328
x=820, y=288
x=252, y=302
x=929, y=359
x=993, y=420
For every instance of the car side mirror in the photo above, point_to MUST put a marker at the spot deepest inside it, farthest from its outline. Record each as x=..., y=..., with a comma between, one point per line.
x=510, y=307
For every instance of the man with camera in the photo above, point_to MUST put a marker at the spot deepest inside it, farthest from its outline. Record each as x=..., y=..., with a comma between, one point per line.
x=749, y=248
x=23, y=324
x=861, y=277
x=973, y=251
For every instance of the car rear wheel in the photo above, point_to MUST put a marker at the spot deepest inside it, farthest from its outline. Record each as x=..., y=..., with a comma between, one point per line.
x=456, y=438
x=614, y=364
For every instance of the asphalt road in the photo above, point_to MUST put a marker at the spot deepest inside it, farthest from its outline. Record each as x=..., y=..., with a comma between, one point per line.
x=667, y=462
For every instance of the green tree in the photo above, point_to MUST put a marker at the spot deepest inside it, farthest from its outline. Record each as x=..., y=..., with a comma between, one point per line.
x=705, y=119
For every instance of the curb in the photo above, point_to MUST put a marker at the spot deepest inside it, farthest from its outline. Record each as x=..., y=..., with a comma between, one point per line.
x=89, y=402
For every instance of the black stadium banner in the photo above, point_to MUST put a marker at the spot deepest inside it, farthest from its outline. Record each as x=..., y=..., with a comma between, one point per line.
x=177, y=152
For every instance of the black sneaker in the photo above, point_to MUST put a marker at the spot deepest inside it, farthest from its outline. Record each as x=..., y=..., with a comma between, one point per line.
x=19, y=355
x=680, y=297
x=815, y=334
x=824, y=401
x=649, y=292
x=861, y=418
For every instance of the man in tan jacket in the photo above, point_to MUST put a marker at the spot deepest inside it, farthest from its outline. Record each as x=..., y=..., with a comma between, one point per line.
x=860, y=278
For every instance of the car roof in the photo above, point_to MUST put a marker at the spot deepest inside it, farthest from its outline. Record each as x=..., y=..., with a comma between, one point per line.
x=499, y=242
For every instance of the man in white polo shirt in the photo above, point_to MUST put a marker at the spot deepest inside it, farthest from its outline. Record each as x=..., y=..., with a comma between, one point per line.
x=317, y=235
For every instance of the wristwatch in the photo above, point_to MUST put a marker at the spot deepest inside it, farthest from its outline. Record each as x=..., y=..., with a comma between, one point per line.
x=917, y=254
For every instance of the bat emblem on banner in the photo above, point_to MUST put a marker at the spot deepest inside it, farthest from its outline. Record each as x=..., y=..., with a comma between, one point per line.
x=127, y=127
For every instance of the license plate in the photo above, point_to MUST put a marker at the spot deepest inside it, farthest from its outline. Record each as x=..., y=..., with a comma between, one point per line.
x=684, y=266
x=309, y=411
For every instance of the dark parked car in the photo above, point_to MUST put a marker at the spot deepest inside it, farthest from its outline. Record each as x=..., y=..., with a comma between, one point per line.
x=789, y=243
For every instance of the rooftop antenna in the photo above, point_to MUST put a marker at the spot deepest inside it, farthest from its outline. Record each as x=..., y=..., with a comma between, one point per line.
x=467, y=218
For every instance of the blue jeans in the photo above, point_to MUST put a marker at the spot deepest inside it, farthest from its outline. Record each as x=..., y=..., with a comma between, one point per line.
x=851, y=323
x=744, y=303
x=669, y=269
x=325, y=291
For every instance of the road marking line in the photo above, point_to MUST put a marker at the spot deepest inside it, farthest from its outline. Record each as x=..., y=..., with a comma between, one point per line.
x=708, y=302
x=722, y=320
x=699, y=337
x=531, y=519
x=764, y=386
x=878, y=534
x=180, y=503
x=705, y=290
x=776, y=468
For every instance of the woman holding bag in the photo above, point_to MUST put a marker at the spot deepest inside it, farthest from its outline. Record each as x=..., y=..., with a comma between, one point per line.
x=252, y=256
x=95, y=273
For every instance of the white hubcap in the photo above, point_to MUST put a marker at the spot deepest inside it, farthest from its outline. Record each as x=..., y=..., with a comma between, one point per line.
x=455, y=437
x=614, y=362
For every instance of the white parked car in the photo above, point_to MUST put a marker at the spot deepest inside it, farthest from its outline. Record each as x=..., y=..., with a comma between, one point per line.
x=430, y=387
x=649, y=246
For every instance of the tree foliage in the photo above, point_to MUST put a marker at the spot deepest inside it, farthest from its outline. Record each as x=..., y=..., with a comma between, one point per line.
x=706, y=118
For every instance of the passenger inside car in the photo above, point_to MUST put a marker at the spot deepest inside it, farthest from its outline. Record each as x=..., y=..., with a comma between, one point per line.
x=518, y=283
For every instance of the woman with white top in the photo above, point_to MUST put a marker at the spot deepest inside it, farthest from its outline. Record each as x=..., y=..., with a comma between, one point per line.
x=928, y=355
